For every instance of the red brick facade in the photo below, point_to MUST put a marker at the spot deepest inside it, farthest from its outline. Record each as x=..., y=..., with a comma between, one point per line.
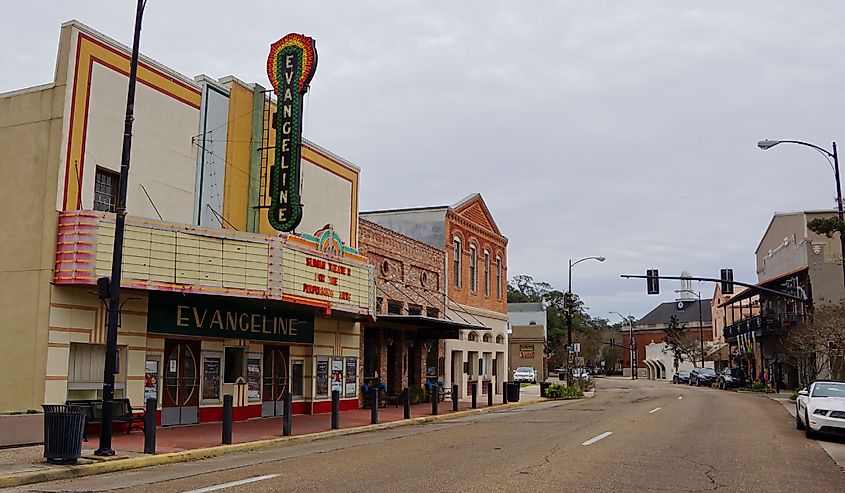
x=409, y=281
x=472, y=225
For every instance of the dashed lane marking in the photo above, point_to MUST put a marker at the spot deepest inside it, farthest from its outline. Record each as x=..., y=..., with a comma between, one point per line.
x=597, y=438
x=655, y=410
x=233, y=483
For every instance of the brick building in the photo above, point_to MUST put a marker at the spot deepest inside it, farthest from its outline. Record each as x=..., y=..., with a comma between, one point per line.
x=405, y=346
x=657, y=362
x=475, y=284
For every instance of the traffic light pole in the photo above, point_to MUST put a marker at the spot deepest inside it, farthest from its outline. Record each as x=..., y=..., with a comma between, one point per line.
x=712, y=279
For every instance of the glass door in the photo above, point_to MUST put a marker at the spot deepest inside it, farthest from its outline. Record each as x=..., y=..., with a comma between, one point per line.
x=275, y=382
x=180, y=399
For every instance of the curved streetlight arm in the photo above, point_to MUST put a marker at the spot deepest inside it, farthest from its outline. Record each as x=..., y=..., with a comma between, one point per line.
x=834, y=165
x=768, y=144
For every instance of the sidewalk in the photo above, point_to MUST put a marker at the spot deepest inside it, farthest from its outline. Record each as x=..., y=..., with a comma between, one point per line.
x=24, y=465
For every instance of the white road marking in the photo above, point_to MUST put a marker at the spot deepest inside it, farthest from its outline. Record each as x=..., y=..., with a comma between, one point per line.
x=233, y=483
x=680, y=397
x=597, y=438
x=655, y=410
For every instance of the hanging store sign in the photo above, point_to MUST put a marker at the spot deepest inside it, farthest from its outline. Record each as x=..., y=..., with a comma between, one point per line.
x=223, y=317
x=290, y=66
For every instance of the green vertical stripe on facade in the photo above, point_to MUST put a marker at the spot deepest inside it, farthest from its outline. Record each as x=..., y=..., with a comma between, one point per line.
x=252, y=222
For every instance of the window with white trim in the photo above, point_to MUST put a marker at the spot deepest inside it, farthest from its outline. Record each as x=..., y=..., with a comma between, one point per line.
x=486, y=273
x=105, y=190
x=456, y=261
x=498, y=277
x=473, y=268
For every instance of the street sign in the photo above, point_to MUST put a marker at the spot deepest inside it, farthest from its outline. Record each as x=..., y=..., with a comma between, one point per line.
x=576, y=347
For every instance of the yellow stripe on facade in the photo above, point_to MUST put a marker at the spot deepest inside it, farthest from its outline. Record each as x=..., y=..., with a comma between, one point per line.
x=90, y=51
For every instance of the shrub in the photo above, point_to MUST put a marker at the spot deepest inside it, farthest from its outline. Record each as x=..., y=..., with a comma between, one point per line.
x=714, y=385
x=585, y=384
x=794, y=395
x=558, y=391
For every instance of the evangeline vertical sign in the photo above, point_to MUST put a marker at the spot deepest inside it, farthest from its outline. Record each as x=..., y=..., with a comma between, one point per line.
x=290, y=66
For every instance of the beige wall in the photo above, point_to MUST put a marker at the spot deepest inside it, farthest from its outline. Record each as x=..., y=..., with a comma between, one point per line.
x=788, y=245
x=498, y=322
x=30, y=137
x=526, y=335
x=163, y=153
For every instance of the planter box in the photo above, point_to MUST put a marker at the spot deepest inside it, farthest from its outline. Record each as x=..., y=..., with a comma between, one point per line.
x=21, y=429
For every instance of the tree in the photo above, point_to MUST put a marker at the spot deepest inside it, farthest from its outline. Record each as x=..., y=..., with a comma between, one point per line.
x=825, y=226
x=684, y=345
x=524, y=289
x=818, y=345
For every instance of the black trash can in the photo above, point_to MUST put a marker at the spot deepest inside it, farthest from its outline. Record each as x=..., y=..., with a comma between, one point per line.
x=543, y=387
x=63, y=428
x=513, y=391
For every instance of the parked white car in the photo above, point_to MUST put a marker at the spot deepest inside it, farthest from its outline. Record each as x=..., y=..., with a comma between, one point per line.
x=821, y=408
x=525, y=374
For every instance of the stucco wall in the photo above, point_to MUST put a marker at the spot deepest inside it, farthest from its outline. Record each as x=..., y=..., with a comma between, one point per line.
x=30, y=136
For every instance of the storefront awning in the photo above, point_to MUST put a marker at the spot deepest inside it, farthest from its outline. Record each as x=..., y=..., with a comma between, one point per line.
x=428, y=327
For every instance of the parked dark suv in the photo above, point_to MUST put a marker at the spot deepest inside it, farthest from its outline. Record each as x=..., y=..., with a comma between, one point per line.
x=732, y=378
x=702, y=376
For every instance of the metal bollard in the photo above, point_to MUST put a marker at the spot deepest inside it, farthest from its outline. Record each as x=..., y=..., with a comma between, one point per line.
x=150, y=426
x=287, y=418
x=374, y=406
x=489, y=394
x=227, y=419
x=475, y=395
x=504, y=392
x=434, y=400
x=407, y=403
x=455, y=397
x=335, y=409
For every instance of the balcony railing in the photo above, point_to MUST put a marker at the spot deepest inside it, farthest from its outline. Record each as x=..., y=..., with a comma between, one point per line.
x=176, y=257
x=767, y=323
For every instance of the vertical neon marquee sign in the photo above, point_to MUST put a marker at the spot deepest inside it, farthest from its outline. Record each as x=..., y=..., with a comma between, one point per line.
x=290, y=66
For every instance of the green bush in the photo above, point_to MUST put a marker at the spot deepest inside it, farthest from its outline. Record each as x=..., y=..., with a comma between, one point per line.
x=794, y=395
x=585, y=384
x=559, y=391
x=714, y=385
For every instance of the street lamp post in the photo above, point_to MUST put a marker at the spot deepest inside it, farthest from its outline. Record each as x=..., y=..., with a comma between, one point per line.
x=632, y=346
x=768, y=144
x=569, y=308
x=109, y=369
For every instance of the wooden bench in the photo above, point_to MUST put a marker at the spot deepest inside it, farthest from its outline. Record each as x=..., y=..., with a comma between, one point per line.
x=122, y=412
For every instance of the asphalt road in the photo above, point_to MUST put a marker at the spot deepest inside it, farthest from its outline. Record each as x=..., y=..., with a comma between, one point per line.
x=632, y=436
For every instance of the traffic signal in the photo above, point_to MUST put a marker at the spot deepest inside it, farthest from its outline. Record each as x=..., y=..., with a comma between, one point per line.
x=727, y=281
x=652, y=281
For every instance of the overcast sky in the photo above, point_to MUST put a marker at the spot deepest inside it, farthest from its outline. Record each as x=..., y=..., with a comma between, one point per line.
x=622, y=129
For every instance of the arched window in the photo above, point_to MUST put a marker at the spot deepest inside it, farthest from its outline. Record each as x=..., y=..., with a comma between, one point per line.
x=487, y=338
x=498, y=277
x=486, y=273
x=456, y=261
x=473, y=336
x=473, y=268
x=500, y=339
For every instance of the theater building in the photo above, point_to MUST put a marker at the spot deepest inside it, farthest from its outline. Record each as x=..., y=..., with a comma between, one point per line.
x=475, y=287
x=215, y=300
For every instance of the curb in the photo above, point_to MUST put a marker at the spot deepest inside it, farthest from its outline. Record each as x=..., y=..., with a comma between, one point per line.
x=69, y=472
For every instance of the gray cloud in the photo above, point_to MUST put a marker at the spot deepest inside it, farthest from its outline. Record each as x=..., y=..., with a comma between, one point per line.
x=624, y=129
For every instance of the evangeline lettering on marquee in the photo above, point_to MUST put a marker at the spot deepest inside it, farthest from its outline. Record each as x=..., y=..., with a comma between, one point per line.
x=233, y=321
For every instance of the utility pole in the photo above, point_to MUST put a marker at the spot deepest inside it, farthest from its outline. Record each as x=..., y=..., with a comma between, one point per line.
x=117, y=255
